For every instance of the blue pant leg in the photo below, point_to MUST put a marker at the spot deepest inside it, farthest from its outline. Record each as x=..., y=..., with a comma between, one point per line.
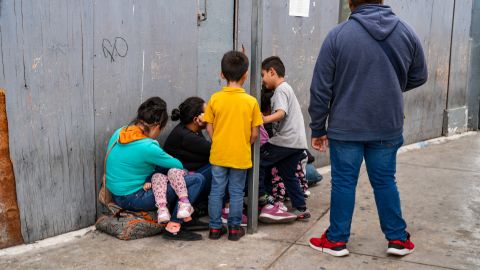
x=346, y=159
x=194, y=184
x=217, y=192
x=380, y=159
x=139, y=201
x=312, y=175
x=206, y=171
x=236, y=185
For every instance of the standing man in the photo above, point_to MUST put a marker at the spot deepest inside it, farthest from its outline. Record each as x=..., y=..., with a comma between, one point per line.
x=364, y=66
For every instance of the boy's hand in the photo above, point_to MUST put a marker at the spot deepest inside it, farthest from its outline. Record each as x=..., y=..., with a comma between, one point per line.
x=320, y=143
x=147, y=186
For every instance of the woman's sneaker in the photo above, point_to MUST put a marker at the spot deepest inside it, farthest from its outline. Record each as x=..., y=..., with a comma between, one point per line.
x=302, y=215
x=276, y=213
x=185, y=210
x=163, y=215
x=225, y=212
x=235, y=233
x=322, y=244
x=215, y=234
x=399, y=247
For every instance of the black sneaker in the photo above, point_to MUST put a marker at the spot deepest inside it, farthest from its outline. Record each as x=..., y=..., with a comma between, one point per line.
x=235, y=233
x=215, y=234
x=302, y=215
x=195, y=225
x=182, y=235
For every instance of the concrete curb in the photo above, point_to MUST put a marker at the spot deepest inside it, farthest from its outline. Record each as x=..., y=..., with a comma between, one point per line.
x=45, y=243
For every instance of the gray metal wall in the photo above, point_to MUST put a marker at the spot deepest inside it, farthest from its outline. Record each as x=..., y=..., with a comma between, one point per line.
x=75, y=71
x=474, y=70
x=46, y=50
x=161, y=60
x=424, y=106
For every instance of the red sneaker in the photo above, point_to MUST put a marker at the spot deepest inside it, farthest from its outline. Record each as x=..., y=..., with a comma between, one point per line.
x=337, y=249
x=400, y=248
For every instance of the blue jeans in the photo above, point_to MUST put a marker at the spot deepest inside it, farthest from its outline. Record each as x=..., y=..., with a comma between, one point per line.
x=312, y=175
x=206, y=171
x=235, y=178
x=145, y=200
x=380, y=160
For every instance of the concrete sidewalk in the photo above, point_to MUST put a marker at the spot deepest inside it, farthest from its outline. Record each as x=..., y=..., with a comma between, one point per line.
x=440, y=191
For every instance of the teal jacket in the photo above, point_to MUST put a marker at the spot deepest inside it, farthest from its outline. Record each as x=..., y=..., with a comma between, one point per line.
x=129, y=164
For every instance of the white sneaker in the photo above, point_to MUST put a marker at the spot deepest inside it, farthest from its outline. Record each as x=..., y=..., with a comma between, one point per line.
x=163, y=215
x=185, y=210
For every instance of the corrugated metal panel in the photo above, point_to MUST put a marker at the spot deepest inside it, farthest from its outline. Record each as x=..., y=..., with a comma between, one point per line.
x=161, y=60
x=215, y=37
x=47, y=72
x=424, y=107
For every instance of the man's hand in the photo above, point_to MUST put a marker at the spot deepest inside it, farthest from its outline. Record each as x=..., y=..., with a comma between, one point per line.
x=147, y=186
x=320, y=143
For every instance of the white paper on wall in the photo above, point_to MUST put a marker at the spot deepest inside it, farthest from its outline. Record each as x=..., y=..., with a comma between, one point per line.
x=299, y=8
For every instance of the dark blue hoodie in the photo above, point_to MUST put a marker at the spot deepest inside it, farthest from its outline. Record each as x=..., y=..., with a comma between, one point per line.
x=364, y=66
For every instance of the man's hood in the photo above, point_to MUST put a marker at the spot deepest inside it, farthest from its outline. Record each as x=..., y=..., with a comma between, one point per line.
x=378, y=20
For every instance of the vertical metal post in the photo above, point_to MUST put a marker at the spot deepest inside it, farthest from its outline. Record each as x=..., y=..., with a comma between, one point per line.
x=255, y=86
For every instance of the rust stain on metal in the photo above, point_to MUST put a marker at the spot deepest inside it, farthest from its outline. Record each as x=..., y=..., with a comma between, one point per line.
x=10, y=231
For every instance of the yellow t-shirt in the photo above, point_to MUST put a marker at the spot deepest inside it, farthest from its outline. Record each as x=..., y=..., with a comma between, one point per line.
x=233, y=113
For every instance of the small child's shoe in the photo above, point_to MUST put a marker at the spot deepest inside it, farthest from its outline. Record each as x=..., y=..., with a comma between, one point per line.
x=185, y=210
x=235, y=233
x=163, y=215
x=215, y=234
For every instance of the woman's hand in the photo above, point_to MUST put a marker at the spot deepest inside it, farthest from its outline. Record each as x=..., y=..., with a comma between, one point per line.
x=147, y=186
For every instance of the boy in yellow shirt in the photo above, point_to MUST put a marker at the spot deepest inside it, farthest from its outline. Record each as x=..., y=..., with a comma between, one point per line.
x=233, y=118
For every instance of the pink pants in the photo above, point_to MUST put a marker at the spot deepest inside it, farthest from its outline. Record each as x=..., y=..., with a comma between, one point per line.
x=159, y=186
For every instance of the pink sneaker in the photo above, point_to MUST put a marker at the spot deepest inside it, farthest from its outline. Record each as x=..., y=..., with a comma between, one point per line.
x=185, y=210
x=276, y=213
x=225, y=212
x=163, y=215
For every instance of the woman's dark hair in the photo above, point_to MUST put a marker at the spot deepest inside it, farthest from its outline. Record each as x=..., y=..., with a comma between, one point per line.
x=189, y=109
x=265, y=100
x=152, y=112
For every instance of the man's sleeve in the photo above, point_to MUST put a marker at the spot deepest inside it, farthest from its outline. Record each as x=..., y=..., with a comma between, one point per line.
x=321, y=87
x=417, y=73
